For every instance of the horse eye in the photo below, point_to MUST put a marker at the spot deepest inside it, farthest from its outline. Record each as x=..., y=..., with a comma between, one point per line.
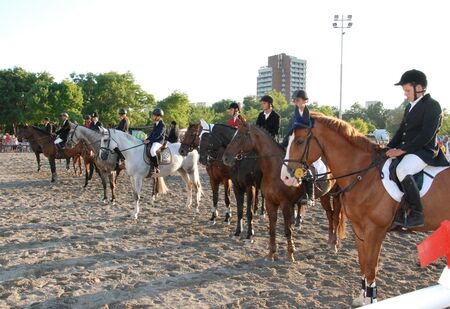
x=300, y=141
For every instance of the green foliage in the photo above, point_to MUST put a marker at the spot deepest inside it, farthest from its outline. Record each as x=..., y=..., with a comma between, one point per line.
x=249, y=103
x=376, y=114
x=221, y=106
x=201, y=111
x=107, y=93
x=15, y=85
x=360, y=125
x=394, y=118
x=176, y=107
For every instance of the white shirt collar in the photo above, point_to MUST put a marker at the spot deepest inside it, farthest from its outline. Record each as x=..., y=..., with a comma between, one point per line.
x=415, y=102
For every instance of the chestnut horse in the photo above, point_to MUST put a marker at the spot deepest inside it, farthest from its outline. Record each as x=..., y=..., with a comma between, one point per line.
x=217, y=172
x=45, y=141
x=354, y=160
x=270, y=155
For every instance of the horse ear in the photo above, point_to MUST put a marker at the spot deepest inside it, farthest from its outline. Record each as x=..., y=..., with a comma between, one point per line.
x=242, y=121
x=203, y=123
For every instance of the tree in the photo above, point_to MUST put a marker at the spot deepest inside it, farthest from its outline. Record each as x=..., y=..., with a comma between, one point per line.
x=38, y=100
x=15, y=85
x=376, y=114
x=65, y=97
x=394, y=118
x=201, y=111
x=106, y=93
x=176, y=107
x=360, y=125
x=249, y=103
x=356, y=111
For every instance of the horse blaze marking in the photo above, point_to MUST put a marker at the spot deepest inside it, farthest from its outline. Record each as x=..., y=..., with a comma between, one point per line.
x=435, y=246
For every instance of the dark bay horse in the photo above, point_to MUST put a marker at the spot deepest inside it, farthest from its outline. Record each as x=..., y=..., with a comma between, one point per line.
x=270, y=156
x=365, y=201
x=218, y=173
x=245, y=175
x=37, y=150
x=45, y=141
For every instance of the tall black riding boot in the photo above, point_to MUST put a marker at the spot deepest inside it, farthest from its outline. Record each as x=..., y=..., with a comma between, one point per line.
x=153, y=166
x=412, y=195
x=60, y=152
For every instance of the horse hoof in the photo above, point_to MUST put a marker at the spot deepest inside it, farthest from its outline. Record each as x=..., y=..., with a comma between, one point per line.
x=235, y=237
x=249, y=241
x=360, y=301
x=105, y=201
x=213, y=222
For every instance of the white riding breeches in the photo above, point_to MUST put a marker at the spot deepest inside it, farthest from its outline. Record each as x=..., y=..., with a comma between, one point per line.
x=409, y=165
x=154, y=149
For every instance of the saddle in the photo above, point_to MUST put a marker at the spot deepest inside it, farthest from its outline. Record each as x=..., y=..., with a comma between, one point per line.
x=163, y=154
x=418, y=178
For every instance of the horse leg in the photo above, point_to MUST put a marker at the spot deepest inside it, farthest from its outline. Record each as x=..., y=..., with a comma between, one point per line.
x=67, y=164
x=227, y=189
x=326, y=204
x=188, y=183
x=251, y=198
x=51, y=161
x=215, y=192
x=112, y=185
x=38, y=160
x=105, y=195
x=80, y=169
x=272, y=213
x=136, y=184
x=287, y=216
x=368, y=253
x=239, y=194
x=262, y=212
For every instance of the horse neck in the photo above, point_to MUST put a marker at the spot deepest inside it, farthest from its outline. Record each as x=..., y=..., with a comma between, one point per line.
x=39, y=137
x=341, y=155
x=90, y=137
x=265, y=146
x=125, y=144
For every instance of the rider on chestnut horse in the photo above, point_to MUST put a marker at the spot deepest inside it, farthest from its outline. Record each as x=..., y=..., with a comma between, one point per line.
x=62, y=133
x=415, y=143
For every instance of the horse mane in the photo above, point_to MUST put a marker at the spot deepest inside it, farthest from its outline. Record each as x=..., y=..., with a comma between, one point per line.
x=347, y=131
x=264, y=131
x=40, y=130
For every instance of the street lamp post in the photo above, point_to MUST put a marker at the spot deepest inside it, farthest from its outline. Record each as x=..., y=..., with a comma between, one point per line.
x=342, y=22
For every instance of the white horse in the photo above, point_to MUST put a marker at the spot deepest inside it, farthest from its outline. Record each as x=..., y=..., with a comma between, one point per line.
x=137, y=168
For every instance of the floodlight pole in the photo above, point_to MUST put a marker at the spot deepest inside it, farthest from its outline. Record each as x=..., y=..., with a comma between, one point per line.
x=342, y=26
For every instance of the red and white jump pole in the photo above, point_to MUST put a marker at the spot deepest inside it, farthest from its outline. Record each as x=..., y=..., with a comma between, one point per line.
x=434, y=297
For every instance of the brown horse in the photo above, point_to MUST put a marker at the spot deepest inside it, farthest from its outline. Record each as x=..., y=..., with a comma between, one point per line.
x=353, y=158
x=82, y=151
x=218, y=173
x=270, y=157
x=23, y=134
x=45, y=141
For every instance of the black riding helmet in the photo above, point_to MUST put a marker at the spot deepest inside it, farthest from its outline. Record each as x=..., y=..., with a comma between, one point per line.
x=158, y=112
x=122, y=111
x=268, y=99
x=300, y=94
x=414, y=77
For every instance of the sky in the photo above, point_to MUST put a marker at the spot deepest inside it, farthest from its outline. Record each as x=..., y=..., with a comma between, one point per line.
x=212, y=49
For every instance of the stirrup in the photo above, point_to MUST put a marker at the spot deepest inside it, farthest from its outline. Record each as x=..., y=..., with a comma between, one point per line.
x=414, y=219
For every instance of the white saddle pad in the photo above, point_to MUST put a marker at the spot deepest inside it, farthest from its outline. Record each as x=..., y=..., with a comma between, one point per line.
x=392, y=188
x=58, y=140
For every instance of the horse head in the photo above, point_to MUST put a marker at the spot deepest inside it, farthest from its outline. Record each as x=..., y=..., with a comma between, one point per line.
x=191, y=139
x=240, y=144
x=107, y=144
x=300, y=154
